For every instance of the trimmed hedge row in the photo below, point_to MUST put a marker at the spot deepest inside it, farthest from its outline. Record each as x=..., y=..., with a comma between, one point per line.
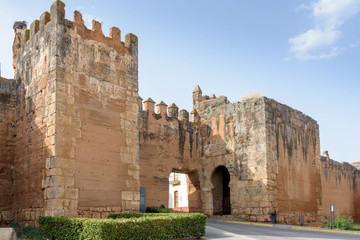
x=126, y=226
x=127, y=215
x=160, y=210
x=62, y=228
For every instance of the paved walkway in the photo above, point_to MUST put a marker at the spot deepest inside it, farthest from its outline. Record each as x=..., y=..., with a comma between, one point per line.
x=232, y=229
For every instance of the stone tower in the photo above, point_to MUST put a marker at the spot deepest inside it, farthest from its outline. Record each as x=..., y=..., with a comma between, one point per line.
x=75, y=120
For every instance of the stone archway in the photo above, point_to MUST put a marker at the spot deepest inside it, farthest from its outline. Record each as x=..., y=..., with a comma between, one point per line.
x=221, y=191
x=192, y=200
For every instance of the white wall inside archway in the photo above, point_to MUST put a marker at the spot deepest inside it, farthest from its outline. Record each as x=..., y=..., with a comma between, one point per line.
x=178, y=192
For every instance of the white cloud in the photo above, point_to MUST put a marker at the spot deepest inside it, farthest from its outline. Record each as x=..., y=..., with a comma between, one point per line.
x=318, y=42
x=313, y=39
x=333, y=13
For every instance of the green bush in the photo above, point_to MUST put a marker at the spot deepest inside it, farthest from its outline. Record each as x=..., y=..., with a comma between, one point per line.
x=136, y=215
x=126, y=215
x=62, y=228
x=160, y=210
x=154, y=226
x=342, y=222
x=126, y=226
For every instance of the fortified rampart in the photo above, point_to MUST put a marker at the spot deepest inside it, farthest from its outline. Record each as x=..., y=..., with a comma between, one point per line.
x=77, y=141
x=76, y=88
x=8, y=90
x=168, y=142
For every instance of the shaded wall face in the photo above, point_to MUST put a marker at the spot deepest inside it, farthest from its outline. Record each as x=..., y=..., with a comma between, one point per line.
x=167, y=144
x=293, y=161
x=34, y=120
x=194, y=193
x=297, y=172
x=221, y=191
x=357, y=198
x=305, y=183
x=217, y=192
x=7, y=147
x=339, y=186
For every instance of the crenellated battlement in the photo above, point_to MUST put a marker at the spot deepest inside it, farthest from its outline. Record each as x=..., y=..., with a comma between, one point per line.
x=97, y=34
x=164, y=113
x=24, y=36
x=55, y=19
x=333, y=167
x=199, y=98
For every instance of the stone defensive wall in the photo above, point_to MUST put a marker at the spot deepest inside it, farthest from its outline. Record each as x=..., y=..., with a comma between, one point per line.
x=340, y=186
x=293, y=150
x=77, y=94
x=306, y=183
x=8, y=90
x=235, y=139
x=76, y=140
x=272, y=153
x=168, y=142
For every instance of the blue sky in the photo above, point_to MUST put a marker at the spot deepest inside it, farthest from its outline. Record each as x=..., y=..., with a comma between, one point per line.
x=305, y=54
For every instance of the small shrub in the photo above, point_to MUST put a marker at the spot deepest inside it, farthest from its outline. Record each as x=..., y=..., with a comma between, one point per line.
x=342, y=222
x=28, y=232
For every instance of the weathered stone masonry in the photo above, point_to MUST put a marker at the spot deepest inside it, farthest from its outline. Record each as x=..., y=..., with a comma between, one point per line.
x=77, y=141
x=76, y=92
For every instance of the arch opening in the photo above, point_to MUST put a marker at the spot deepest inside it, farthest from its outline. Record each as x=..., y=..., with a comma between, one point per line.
x=221, y=191
x=178, y=192
x=184, y=191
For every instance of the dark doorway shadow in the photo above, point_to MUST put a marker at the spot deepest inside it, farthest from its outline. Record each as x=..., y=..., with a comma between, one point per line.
x=221, y=191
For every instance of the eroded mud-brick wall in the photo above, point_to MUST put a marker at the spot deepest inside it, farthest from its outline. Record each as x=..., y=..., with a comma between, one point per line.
x=168, y=142
x=7, y=146
x=305, y=182
x=340, y=186
x=293, y=153
x=357, y=196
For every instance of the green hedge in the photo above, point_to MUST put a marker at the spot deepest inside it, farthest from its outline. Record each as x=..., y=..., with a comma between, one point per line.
x=62, y=228
x=126, y=226
x=127, y=215
x=28, y=232
x=160, y=210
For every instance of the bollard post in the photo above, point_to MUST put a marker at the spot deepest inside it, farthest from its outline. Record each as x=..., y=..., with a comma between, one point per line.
x=332, y=215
